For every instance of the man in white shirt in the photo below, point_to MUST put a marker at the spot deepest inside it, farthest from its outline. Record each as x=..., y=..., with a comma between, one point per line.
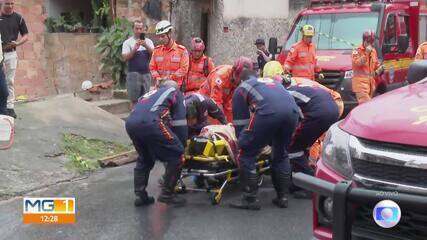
x=137, y=52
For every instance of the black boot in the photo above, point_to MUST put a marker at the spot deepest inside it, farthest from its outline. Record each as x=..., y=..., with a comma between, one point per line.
x=249, y=200
x=171, y=176
x=11, y=113
x=140, y=183
x=281, y=183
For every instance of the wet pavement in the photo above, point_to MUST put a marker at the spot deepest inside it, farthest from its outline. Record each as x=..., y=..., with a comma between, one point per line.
x=106, y=211
x=36, y=159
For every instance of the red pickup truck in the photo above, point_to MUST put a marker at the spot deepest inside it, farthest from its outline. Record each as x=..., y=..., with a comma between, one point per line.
x=378, y=152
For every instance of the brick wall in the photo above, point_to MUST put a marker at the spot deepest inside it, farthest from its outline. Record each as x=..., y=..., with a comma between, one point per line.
x=71, y=59
x=31, y=78
x=136, y=11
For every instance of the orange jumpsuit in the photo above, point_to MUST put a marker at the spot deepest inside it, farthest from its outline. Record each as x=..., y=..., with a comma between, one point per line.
x=421, y=52
x=198, y=73
x=220, y=87
x=169, y=63
x=301, y=60
x=364, y=66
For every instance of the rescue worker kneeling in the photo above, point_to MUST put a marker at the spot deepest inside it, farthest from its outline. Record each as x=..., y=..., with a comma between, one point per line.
x=319, y=112
x=263, y=112
x=199, y=107
x=158, y=129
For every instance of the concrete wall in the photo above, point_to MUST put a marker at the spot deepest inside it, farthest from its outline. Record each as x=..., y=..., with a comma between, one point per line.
x=242, y=31
x=71, y=59
x=255, y=9
x=186, y=17
x=246, y=20
x=134, y=9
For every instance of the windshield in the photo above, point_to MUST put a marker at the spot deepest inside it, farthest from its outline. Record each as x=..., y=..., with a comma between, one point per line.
x=336, y=31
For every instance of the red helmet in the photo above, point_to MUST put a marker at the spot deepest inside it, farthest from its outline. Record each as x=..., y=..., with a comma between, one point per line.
x=197, y=44
x=241, y=64
x=369, y=36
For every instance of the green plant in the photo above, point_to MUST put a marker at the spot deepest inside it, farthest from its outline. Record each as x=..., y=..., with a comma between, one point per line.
x=50, y=24
x=101, y=13
x=110, y=47
x=84, y=153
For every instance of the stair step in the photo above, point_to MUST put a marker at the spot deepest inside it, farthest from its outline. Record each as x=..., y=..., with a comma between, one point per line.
x=114, y=106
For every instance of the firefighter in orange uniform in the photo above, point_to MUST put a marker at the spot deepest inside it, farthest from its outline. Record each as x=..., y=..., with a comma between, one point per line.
x=365, y=68
x=169, y=60
x=301, y=60
x=421, y=52
x=222, y=82
x=200, y=66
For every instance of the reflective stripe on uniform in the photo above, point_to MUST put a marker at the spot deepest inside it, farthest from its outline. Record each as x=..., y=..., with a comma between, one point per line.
x=296, y=155
x=302, y=67
x=161, y=99
x=177, y=123
x=241, y=122
x=200, y=96
x=252, y=90
x=300, y=96
x=359, y=73
x=164, y=72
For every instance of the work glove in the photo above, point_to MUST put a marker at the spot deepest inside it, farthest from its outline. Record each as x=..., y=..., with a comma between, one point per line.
x=380, y=70
x=287, y=79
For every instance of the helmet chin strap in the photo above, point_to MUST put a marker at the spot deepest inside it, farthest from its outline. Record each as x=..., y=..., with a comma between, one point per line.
x=169, y=39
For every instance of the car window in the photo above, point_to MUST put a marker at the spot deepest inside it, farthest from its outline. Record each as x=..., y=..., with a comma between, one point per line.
x=390, y=33
x=335, y=31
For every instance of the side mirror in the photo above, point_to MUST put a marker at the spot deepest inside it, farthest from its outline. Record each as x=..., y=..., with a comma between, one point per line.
x=272, y=46
x=417, y=71
x=403, y=43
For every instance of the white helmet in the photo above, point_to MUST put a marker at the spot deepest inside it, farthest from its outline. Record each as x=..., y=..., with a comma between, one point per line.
x=86, y=85
x=163, y=27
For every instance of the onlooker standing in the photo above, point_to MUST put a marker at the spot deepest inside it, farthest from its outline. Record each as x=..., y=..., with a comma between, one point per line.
x=3, y=87
x=263, y=55
x=11, y=25
x=137, y=52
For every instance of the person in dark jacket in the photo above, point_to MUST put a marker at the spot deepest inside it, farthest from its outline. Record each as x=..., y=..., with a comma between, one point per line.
x=263, y=113
x=158, y=129
x=199, y=107
x=319, y=112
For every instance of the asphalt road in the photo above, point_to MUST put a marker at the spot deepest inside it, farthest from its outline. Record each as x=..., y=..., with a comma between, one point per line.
x=106, y=211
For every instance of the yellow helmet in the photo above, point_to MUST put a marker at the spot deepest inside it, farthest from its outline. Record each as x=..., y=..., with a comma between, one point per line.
x=307, y=30
x=273, y=68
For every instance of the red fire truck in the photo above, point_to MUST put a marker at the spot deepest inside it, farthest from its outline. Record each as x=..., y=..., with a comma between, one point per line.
x=400, y=25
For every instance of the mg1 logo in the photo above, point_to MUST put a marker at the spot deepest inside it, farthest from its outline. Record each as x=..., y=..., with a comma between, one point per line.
x=49, y=210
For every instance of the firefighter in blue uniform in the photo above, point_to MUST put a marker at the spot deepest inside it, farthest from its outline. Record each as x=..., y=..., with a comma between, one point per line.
x=319, y=112
x=158, y=129
x=263, y=113
x=199, y=107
